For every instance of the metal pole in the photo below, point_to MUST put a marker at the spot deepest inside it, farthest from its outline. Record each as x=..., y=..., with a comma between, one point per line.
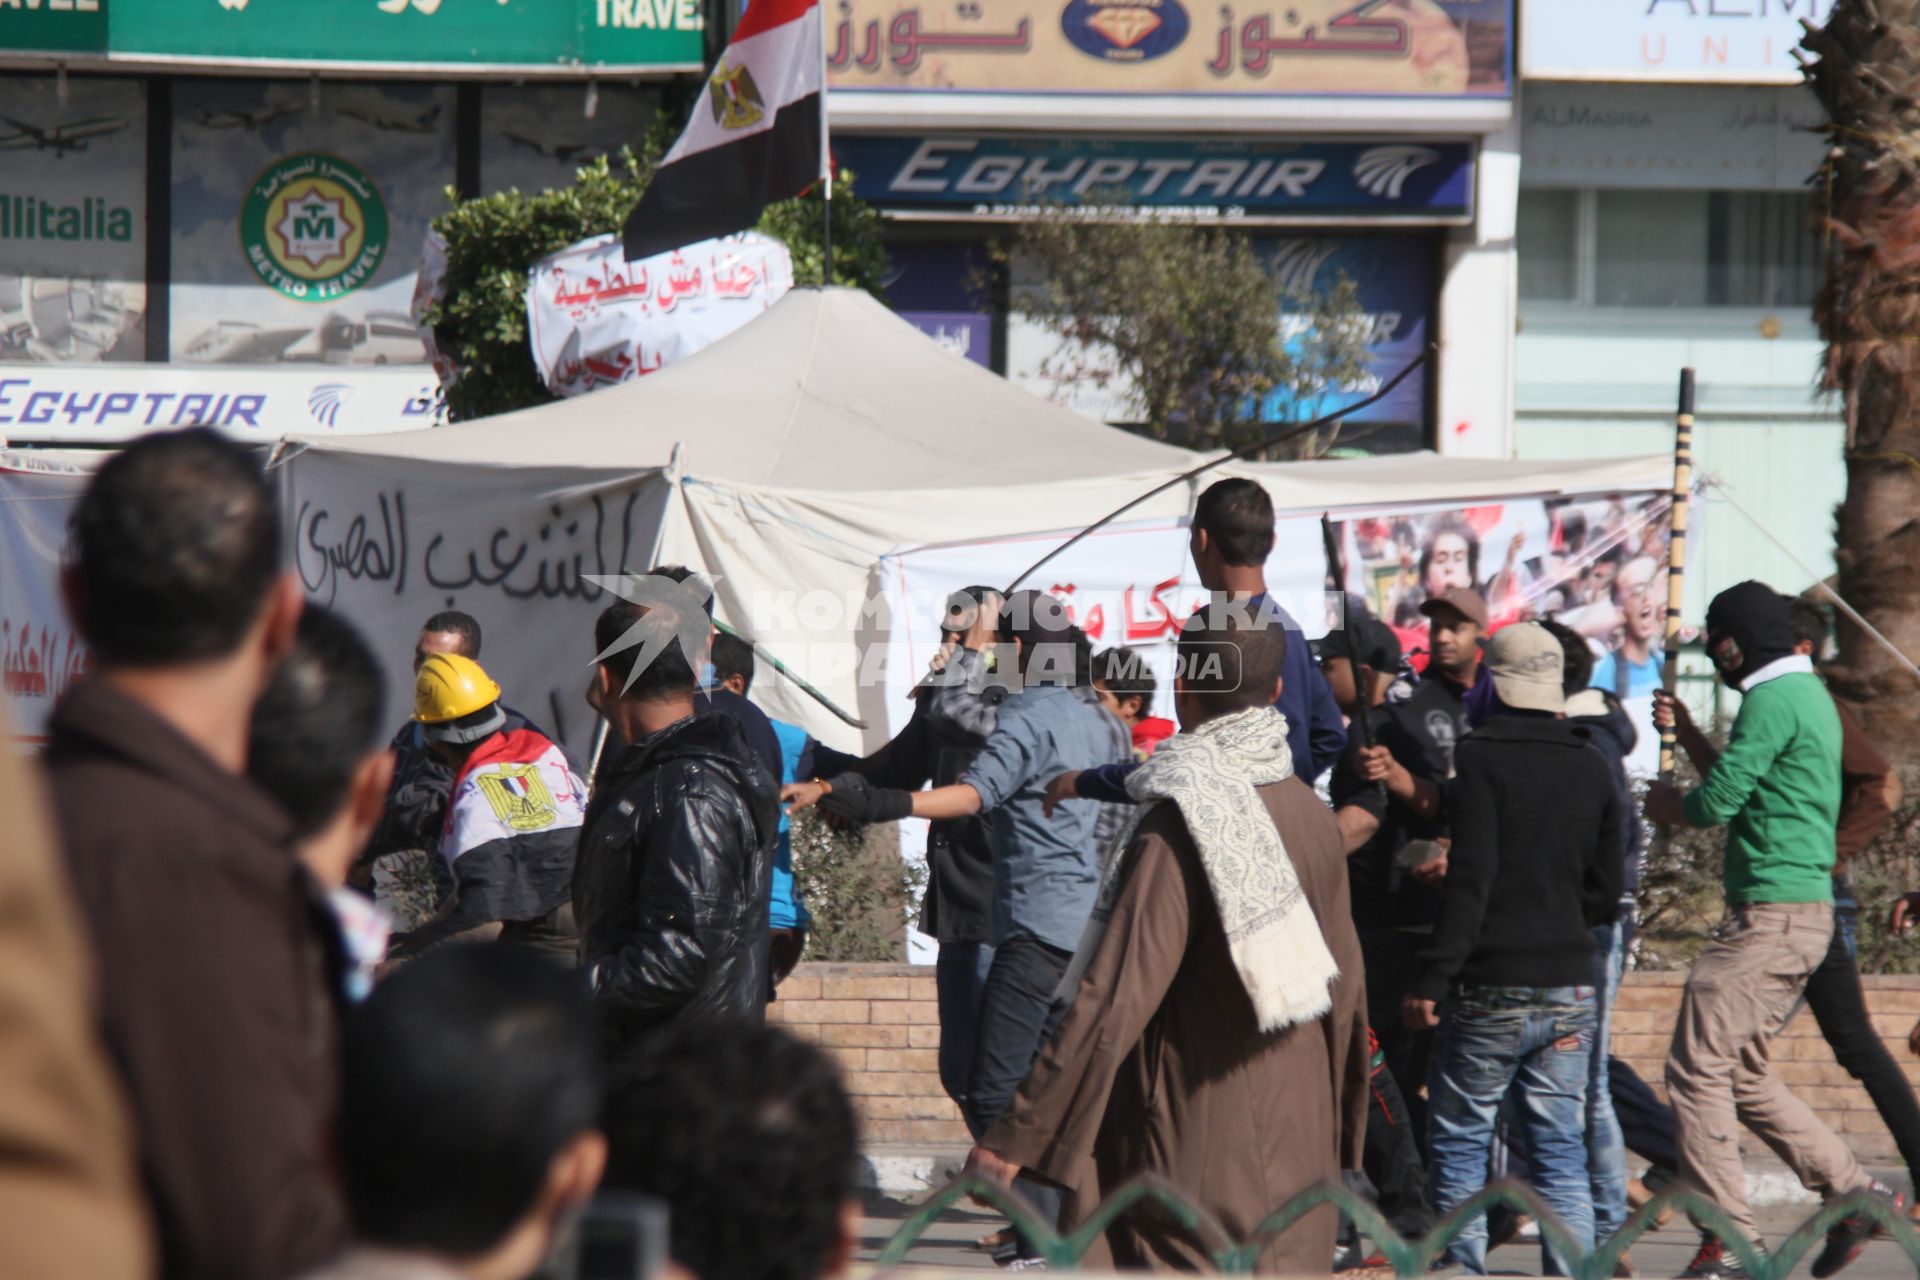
x=1677, y=555
x=826, y=168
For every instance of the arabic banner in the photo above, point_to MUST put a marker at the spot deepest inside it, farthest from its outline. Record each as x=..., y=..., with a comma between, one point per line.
x=73, y=220
x=1720, y=41
x=40, y=656
x=595, y=319
x=1376, y=48
x=542, y=35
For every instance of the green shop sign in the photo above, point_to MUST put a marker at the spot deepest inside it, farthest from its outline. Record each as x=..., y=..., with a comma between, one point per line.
x=563, y=36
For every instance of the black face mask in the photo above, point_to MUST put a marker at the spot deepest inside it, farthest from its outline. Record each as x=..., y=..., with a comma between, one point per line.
x=1748, y=627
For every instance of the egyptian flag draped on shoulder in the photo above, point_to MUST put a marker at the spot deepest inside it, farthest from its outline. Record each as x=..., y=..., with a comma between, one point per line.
x=512, y=824
x=754, y=137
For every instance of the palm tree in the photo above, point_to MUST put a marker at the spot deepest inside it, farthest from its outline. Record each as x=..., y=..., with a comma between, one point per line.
x=1865, y=69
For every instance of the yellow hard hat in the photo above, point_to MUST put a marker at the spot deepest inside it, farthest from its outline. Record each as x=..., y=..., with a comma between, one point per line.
x=450, y=686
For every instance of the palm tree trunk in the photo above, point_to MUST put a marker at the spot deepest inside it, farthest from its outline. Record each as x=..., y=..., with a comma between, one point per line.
x=1867, y=76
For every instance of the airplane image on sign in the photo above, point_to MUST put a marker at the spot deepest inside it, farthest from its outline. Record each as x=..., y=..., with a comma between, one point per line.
x=222, y=118
x=61, y=138
x=422, y=123
x=561, y=151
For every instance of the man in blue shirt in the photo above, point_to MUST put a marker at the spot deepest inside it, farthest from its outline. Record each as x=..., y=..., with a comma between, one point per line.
x=1046, y=870
x=1230, y=540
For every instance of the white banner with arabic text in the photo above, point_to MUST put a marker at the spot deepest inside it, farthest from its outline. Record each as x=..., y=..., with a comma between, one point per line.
x=595, y=319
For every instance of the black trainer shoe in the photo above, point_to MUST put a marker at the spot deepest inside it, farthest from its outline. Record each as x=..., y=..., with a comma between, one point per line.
x=1714, y=1262
x=1847, y=1237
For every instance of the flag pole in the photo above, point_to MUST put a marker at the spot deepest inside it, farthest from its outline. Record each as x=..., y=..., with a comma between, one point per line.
x=826, y=166
x=1677, y=554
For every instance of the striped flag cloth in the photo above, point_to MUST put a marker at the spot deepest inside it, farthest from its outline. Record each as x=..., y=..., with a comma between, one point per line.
x=755, y=137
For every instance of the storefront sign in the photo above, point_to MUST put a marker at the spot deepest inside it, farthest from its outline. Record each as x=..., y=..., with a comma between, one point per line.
x=537, y=35
x=1372, y=48
x=965, y=333
x=314, y=227
x=1730, y=41
x=1679, y=137
x=1225, y=181
x=45, y=404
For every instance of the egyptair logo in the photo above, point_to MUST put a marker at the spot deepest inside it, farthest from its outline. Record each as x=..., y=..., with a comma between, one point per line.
x=1383, y=171
x=324, y=402
x=735, y=97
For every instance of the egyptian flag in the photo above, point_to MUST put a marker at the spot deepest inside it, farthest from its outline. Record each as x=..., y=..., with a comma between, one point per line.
x=512, y=824
x=755, y=136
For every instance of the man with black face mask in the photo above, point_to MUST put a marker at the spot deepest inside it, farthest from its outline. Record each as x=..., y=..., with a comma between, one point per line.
x=1777, y=786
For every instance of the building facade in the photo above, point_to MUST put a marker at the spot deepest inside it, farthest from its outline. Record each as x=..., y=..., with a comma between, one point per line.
x=1342, y=138
x=215, y=210
x=1666, y=219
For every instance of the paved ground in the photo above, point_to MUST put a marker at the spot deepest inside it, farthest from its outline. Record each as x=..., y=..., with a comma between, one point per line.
x=1659, y=1254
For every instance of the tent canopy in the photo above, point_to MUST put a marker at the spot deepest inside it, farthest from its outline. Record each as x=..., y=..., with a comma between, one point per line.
x=827, y=390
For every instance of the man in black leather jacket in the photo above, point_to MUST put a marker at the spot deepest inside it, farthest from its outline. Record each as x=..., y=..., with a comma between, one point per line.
x=675, y=869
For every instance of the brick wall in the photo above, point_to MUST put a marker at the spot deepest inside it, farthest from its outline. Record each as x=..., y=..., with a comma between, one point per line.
x=880, y=1021
x=1643, y=1025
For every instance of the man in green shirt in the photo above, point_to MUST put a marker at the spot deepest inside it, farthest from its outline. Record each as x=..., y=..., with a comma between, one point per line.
x=1777, y=788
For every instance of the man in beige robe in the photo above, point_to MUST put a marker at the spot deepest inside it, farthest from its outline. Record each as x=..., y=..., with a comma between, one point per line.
x=1229, y=1058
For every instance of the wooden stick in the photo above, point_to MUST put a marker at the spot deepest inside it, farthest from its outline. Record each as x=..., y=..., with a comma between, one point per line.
x=1677, y=555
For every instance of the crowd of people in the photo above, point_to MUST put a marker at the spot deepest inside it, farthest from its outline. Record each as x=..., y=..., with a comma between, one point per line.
x=1161, y=948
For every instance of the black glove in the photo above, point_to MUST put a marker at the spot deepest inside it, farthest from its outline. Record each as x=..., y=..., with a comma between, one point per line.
x=853, y=799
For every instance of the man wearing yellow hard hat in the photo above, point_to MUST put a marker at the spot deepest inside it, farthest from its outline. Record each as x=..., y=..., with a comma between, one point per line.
x=512, y=819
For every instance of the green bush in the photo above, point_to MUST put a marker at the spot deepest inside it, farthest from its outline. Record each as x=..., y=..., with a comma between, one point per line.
x=856, y=887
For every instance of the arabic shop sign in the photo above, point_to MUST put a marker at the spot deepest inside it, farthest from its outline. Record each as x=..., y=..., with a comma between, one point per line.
x=1212, y=181
x=313, y=227
x=536, y=35
x=1377, y=48
x=1723, y=41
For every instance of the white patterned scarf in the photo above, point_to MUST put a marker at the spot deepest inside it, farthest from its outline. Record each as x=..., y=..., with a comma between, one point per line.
x=1271, y=931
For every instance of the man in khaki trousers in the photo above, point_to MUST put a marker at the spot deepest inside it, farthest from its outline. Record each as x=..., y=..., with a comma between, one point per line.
x=1777, y=787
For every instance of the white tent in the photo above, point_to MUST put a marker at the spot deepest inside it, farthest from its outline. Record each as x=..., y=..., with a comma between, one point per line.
x=797, y=460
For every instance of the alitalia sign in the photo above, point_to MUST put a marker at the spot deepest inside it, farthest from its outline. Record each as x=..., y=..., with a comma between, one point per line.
x=313, y=227
x=26, y=217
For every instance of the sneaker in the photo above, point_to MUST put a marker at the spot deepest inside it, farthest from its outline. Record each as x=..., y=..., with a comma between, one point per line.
x=1027, y=1264
x=1847, y=1237
x=1714, y=1262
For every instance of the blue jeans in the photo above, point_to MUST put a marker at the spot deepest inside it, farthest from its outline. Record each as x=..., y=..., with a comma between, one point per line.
x=1606, y=1146
x=1536, y=1041
x=959, y=976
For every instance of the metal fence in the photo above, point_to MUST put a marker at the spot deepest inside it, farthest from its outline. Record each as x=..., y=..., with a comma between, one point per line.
x=1408, y=1258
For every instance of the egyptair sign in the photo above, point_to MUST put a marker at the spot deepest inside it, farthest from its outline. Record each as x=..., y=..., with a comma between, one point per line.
x=1211, y=180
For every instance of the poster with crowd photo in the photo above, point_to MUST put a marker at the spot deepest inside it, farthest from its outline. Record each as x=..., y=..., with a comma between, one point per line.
x=1596, y=564
x=299, y=211
x=73, y=220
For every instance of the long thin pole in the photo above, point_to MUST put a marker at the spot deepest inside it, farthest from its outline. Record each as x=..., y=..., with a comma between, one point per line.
x=826, y=166
x=1677, y=555
x=1278, y=437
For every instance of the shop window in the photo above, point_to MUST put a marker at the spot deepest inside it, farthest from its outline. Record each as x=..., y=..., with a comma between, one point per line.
x=1650, y=249
x=1548, y=238
x=73, y=220
x=298, y=216
x=1653, y=248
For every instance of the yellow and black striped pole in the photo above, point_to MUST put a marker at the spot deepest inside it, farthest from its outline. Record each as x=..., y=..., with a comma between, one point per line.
x=1677, y=554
